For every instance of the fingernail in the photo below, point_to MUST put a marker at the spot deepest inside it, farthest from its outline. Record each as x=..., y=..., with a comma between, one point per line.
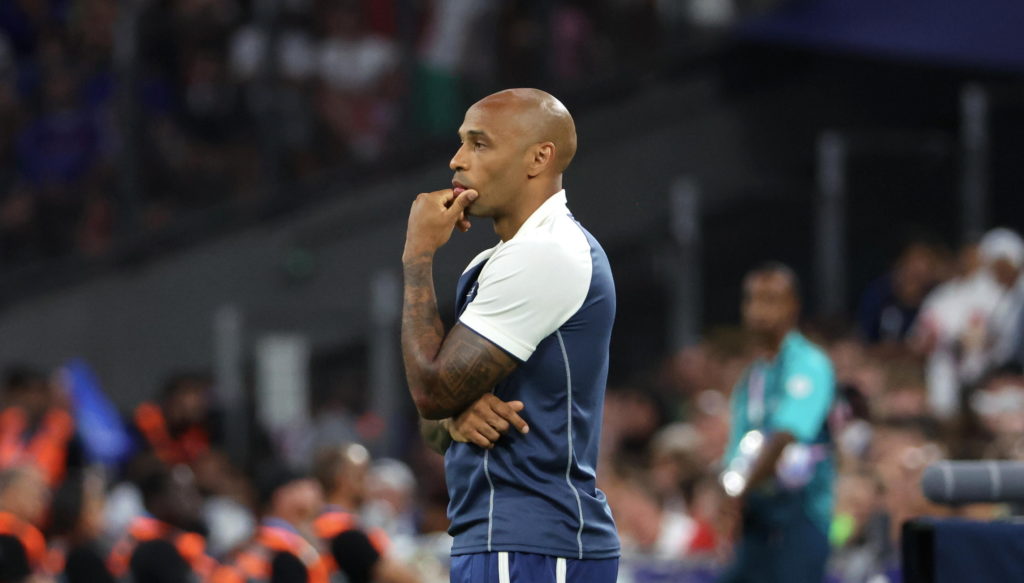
x=526, y=429
x=473, y=195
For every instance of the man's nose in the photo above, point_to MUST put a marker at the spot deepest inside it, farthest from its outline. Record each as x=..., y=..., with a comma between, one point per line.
x=458, y=162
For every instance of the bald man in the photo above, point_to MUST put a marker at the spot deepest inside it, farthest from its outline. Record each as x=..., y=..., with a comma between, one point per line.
x=535, y=317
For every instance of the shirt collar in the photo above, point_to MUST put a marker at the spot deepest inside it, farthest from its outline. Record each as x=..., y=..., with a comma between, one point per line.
x=555, y=204
x=792, y=337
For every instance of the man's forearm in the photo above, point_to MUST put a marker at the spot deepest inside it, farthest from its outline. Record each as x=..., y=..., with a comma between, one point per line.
x=422, y=330
x=764, y=467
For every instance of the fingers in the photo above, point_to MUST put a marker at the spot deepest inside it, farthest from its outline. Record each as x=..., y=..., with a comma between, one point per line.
x=479, y=440
x=484, y=422
x=509, y=413
x=462, y=202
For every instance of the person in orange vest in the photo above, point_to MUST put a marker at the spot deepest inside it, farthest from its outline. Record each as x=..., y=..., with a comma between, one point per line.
x=23, y=503
x=360, y=554
x=36, y=428
x=74, y=530
x=164, y=546
x=281, y=551
x=181, y=427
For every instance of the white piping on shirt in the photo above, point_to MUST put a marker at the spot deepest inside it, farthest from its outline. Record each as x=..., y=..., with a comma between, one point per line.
x=568, y=467
x=490, y=508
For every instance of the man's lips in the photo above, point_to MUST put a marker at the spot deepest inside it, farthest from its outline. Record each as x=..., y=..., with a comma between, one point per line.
x=458, y=188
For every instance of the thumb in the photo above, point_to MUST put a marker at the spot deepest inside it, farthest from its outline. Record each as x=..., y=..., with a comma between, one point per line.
x=462, y=202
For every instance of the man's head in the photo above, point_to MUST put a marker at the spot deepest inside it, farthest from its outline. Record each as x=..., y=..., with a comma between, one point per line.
x=771, y=301
x=27, y=388
x=513, y=142
x=1002, y=251
x=171, y=494
x=23, y=493
x=915, y=272
x=185, y=398
x=342, y=472
x=289, y=495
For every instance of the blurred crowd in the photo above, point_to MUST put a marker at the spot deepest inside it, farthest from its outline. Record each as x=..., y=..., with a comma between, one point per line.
x=118, y=118
x=930, y=368
x=173, y=508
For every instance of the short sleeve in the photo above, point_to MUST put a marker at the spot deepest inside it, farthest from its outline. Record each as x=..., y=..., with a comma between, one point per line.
x=808, y=391
x=527, y=290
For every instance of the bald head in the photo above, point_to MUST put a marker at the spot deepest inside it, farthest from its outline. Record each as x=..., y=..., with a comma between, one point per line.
x=539, y=117
x=23, y=492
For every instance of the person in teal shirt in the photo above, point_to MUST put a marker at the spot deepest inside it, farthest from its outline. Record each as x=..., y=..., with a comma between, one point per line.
x=779, y=468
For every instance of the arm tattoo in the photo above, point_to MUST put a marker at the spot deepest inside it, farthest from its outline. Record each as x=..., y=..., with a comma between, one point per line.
x=444, y=374
x=470, y=366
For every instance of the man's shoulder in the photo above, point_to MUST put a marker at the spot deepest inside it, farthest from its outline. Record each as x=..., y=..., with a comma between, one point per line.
x=541, y=249
x=810, y=355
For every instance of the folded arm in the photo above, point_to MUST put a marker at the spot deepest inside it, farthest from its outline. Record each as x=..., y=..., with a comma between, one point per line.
x=446, y=373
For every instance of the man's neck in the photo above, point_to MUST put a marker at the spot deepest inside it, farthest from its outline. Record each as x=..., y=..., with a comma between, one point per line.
x=341, y=501
x=772, y=345
x=506, y=226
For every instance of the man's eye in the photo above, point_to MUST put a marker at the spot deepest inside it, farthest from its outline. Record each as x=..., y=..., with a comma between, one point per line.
x=479, y=146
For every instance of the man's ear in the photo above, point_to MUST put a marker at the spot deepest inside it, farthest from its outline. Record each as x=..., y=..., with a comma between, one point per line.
x=542, y=155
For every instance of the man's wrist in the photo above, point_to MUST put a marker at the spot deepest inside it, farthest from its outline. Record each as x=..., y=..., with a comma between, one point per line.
x=416, y=255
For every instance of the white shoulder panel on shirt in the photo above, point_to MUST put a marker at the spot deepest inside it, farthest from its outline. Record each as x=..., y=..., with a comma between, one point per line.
x=531, y=285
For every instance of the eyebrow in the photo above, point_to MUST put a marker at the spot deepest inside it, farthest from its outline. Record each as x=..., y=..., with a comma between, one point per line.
x=476, y=133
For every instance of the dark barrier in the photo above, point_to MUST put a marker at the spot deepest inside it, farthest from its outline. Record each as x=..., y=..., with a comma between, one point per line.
x=955, y=550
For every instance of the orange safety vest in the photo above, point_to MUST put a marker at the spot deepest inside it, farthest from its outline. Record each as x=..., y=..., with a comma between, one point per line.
x=55, y=560
x=184, y=450
x=334, y=522
x=254, y=563
x=28, y=535
x=47, y=449
x=191, y=547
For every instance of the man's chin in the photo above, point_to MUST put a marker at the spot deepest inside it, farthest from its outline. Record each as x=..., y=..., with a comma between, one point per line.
x=480, y=212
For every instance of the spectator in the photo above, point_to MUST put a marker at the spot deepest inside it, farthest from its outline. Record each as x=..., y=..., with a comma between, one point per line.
x=280, y=551
x=164, y=546
x=391, y=503
x=890, y=304
x=23, y=501
x=860, y=531
x=362, y=556
x=950, y=317
x=457, y=45
x=1002, y=250
x=182, y=427
x=36, y=428
x=358, y=90
x=227, y=502
x=58, y=152
x=76, y=525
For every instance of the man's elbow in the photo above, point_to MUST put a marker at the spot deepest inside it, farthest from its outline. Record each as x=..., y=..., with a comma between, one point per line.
x=429, y=408
x=431, y=412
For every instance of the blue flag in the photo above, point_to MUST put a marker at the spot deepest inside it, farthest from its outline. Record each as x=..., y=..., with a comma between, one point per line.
x=103, y=433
